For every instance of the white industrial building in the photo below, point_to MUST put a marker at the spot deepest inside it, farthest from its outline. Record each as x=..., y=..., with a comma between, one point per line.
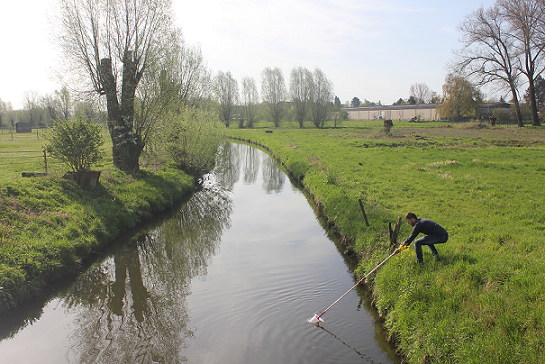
x=393, y=112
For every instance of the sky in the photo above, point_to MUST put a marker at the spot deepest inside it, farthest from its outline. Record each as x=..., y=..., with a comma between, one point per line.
x=370, y=49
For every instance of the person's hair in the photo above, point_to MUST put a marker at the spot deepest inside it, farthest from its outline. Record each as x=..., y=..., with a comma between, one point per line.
x=410, y=216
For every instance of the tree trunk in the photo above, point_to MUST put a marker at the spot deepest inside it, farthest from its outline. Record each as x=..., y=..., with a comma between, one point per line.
x=126, y=144
x=533, y=104
x=518, y=114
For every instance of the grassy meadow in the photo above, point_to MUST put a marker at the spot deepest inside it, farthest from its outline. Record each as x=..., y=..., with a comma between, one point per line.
x=49, y=225
x=484, y=302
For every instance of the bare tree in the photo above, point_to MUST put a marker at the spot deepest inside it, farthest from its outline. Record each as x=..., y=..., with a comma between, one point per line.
x=273, y=92
x=421, y=93
x=322, y=95
x=194, y=76
x=112, y=42
x=301, y=81
x=177, y=78
x=32, y=108
x=226, y=92
x=51, y=106
x=3, y=113
x=489, y=54
x=526, y=19
x=7, y=115
x=65, y=102
x=250, y=99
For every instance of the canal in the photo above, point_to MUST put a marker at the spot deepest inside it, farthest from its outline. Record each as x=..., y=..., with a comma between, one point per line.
x=230, y=276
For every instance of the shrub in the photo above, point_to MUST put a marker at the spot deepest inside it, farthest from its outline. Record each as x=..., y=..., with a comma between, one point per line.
x=76, y=143
x=190, y=140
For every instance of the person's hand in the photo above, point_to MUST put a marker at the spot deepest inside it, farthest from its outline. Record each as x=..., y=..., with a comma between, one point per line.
x=401, y=248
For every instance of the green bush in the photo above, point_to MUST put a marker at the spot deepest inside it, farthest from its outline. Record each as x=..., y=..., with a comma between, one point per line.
x=190, y=140
x=76, y=143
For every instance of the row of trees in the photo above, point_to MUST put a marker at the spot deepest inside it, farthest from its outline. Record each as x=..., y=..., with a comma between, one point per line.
x=504, y=46
x=132, y=55
x=41, y=111
x=310, y=93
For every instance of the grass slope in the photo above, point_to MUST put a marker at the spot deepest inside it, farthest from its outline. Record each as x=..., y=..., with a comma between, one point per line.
x=49, y=225
x=485, y=301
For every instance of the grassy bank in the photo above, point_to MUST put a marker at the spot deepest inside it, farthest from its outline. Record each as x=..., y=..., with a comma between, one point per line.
x=49, y=225
x=485, y=301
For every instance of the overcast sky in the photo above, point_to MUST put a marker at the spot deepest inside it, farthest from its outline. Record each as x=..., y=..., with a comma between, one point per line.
x=372, y=49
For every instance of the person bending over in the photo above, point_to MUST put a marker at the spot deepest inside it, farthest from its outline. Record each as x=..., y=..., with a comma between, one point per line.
x=435, y=234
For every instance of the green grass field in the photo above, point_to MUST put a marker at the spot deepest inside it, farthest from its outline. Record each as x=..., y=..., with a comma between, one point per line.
x=24, y=152
x=485, y=301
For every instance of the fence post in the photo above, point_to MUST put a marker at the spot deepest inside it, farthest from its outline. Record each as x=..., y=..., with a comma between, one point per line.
x=45, y=160
x=363, y=212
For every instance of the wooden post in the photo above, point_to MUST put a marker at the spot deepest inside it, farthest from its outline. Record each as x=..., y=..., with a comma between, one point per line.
x=396, y=229
x=45, y=160
x=363, y=212
x=394, y=232
x=391, y=234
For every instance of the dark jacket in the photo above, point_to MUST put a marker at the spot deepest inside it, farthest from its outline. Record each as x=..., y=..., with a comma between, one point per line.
x=427, y=227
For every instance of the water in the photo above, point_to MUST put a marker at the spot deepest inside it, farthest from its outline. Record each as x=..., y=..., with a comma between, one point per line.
x=231, y=277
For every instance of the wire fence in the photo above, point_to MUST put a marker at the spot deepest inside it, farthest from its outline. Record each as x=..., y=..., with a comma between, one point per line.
x=27, y=162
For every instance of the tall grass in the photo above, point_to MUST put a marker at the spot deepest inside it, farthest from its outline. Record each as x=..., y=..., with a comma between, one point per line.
x=485, y=301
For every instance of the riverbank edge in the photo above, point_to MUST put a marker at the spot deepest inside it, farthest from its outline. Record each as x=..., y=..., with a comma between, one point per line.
x=28, y=265
x=334, y=229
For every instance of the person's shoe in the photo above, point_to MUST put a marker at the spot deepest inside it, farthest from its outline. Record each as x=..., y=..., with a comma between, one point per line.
x=420, y=262
x=437, y=258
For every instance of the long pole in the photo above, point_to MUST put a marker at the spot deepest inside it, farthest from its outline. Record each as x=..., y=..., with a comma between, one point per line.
x=361, y=280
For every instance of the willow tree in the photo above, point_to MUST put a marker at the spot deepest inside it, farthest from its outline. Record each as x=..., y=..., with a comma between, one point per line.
x=461, y=98
x=250, y=98
x=273, y=93
x=301, y=83
x=111, y=43
x=322, y=96
x=226, y=93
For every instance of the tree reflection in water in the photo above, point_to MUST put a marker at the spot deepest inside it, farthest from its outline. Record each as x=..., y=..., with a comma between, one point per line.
x=227, y=171
x=131, y=307
x=273, y=177
x=251, y=162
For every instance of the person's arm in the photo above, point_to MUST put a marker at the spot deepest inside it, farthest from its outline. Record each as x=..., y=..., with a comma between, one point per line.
x=414, y=234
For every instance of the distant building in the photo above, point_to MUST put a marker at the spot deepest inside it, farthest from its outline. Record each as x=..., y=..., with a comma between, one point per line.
x=408, y=112
x=23, y=127
x=393, y=112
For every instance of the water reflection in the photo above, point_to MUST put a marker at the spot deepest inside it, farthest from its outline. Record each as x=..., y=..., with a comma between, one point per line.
x=131, y=307
x=251, y=163
x=273, y=177
x=227, y=171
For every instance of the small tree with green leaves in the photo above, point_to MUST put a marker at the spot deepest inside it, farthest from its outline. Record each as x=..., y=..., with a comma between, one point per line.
x=76, y=143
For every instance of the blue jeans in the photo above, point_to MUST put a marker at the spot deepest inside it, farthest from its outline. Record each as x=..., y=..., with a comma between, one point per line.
x=429, y=240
